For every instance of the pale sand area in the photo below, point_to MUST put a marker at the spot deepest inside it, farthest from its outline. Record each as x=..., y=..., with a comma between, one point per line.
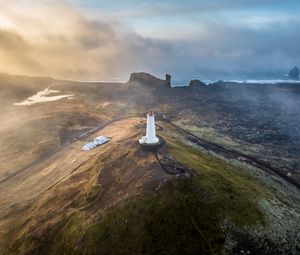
x=42, y=96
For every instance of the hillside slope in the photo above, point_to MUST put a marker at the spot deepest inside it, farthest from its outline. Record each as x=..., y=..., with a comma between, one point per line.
x=116, y=199
x=119, y=201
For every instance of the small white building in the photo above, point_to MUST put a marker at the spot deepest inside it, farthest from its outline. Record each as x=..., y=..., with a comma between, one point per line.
x=96, y=142
x=101, y=140
x=88, y=146
x=150, y=137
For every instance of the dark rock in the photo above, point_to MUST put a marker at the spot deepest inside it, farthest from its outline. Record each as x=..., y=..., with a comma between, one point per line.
x=168, y=80
x=196, y=84
x=217, y=84
x=147, y=79
x=220, y=83
x=294, y=73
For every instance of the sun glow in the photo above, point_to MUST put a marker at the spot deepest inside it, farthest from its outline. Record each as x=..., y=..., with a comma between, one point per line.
x=5, y=22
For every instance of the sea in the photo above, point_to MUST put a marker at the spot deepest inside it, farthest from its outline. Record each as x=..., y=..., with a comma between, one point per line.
x=183, y=79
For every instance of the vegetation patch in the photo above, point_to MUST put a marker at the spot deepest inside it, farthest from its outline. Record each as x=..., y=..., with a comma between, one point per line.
x=231, y=193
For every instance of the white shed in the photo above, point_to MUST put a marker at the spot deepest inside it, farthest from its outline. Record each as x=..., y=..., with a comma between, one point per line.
x=96, y=142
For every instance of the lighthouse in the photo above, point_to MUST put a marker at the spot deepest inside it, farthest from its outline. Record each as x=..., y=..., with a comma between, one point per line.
x=150, y=137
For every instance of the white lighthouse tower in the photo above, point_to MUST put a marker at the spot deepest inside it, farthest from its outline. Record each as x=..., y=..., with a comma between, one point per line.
x=150, y=137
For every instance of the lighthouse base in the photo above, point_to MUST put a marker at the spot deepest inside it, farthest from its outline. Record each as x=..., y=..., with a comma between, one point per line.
x=152, y=147
x=145, y=140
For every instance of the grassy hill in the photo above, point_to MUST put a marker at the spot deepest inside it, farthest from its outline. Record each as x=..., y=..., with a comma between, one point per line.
x=102, y=213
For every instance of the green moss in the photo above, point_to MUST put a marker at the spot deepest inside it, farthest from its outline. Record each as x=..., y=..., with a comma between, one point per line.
x=173, y=221
x=69, y=238
x=232, y=193
x=36, y=245
x=94, y=194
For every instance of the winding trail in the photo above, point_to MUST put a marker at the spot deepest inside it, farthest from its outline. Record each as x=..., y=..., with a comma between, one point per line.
x=232, y=154
x=79, y=137
x=216, y=148
x=180, y=170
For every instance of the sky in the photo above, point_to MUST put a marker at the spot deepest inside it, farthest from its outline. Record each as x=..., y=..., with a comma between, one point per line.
x=108, y=39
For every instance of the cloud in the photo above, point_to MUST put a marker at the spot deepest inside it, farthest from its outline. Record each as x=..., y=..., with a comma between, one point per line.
x=170, y=8
x=96, y=41
x=61, y=42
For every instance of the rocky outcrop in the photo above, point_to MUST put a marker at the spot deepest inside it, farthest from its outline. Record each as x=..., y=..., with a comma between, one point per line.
x=197, y=84
x=168, y=80
x=218, y=84
x=294, y=73
x=148, y=79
